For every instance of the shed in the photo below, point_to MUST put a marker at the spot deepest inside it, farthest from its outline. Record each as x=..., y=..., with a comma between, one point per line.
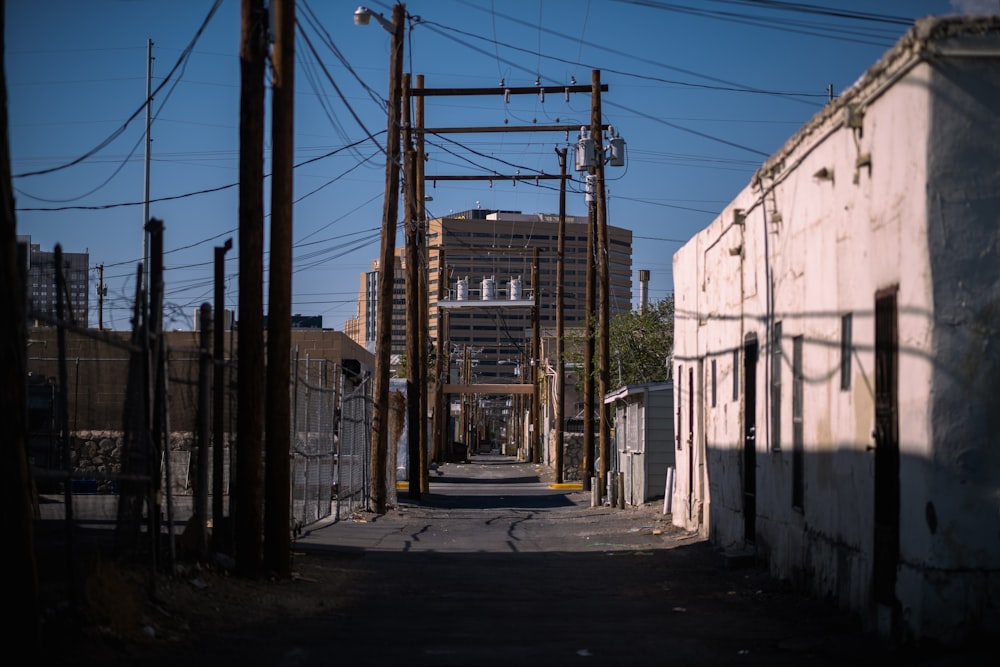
x=644, y=438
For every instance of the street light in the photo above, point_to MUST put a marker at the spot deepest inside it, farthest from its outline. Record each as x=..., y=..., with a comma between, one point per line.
x=362, y=15
x=383, y=324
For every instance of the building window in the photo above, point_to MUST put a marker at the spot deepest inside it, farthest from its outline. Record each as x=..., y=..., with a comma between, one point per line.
x=798, y=455
x=846, y=325
x=680, y=402
x=736, y=374
x=713, y=384
x=776, y=387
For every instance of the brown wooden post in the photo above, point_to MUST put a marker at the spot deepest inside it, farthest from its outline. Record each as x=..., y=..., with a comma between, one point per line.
x=537, y=441
x=18, y=497
x=248, y=492
x=604, y=296
x=277, y=479
x=559, y=411
x=203, y=418
x=423, y=289
x=587, y=377
x=414, y=356
x=386, y=278
x=220, y=526
x=442, y=404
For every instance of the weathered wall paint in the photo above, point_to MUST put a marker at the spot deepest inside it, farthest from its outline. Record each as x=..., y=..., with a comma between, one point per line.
x=906, y=198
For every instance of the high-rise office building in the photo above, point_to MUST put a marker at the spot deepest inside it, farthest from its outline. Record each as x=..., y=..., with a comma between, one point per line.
x=361, y=329
x=489, y=255
x=41, y=284
x=485, y=258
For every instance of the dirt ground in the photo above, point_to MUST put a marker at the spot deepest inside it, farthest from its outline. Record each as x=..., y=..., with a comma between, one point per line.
x=126, y=617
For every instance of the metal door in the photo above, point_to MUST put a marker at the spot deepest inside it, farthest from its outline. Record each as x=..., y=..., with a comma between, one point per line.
x=887, y=484
x=750, y=352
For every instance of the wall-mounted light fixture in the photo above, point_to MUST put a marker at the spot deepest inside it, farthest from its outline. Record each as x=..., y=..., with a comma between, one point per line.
x=824, y=174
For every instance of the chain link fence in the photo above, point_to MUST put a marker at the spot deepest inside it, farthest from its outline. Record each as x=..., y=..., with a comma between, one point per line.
x=83, y=456
x=351, y=490
x=314, y=399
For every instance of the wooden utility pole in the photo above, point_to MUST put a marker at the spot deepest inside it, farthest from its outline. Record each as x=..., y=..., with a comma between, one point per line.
x=419, y=92
x=247, y=491
x=559, y=408
x=442, y=369
x=537, y=441
x=423, y=291
x=588, y=348
x=146, y=158
x=277, y=480
x=101, y=292
x=220, y=527
x=203, y=418
x=16, y=481
x=160, y=430
x=414, y=355
x=604, y=294
x=386, y=276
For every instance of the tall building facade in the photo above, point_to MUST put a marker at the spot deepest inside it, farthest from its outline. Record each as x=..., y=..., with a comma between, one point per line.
x=490, y=255
x=487, y=250
x=41, y=283
x=362, y=329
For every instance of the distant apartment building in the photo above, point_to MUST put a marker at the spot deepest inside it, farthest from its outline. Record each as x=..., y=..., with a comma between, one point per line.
x=496, y=248
x=41, y=284
x=361, y=329
x=494, y=251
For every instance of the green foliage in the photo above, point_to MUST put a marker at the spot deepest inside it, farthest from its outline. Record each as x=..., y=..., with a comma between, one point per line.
x=641, y=344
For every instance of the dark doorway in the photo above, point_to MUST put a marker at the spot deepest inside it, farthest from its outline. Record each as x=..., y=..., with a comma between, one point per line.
x=750, y=351
x=690, y=443
x=886, y=449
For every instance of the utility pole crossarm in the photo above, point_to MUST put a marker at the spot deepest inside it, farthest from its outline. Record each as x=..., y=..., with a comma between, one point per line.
x=501, y=90
x=497, y=177
x=492, y=129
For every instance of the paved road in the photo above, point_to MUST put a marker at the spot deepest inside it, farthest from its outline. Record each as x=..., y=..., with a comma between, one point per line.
x=495, y=566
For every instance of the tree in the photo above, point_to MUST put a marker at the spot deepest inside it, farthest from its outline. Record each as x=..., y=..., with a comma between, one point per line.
x=642, y=343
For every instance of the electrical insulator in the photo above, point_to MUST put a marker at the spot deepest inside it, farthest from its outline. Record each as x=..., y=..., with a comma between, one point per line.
x=584, y=151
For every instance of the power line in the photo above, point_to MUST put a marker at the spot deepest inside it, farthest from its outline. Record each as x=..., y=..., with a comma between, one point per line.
x=101, y=207
x=114, y=135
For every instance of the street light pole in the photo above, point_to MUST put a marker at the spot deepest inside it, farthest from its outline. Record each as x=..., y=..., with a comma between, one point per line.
x=386, y=276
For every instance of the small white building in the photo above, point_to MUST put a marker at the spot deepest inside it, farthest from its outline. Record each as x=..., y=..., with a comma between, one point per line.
x=837, y=347
x=644, y=438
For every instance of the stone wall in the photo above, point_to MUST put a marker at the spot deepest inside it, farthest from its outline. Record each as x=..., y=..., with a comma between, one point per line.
x=572, y=455
x=96, y=460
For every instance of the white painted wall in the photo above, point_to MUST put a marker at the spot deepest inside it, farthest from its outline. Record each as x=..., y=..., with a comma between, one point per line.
x=827, y=234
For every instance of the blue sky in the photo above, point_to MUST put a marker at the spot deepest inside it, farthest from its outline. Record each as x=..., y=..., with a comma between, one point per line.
x=702, y=91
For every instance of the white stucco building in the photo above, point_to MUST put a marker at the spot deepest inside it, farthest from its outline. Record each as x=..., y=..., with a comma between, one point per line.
x=837, y=347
